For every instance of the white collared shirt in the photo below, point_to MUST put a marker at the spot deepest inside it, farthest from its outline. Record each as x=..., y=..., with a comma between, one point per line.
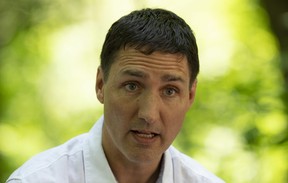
x=82, y=160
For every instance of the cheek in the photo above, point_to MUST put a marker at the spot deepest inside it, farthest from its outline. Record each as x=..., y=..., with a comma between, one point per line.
x=117, y=110
x=174, y=123
x=176, y=126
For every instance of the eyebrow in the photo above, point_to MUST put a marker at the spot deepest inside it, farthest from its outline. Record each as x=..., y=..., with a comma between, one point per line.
x=135, y=73
x=170, y=77
x=140, y=74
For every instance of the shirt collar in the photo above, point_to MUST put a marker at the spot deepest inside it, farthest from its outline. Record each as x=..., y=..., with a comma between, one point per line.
x=95, y=162
x=166, y=172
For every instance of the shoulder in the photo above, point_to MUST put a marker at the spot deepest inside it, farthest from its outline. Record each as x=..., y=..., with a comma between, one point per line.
x=190, y=169
x=51, y=162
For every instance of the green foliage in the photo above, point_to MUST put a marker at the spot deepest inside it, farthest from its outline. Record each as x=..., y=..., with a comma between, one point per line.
x=237, y=126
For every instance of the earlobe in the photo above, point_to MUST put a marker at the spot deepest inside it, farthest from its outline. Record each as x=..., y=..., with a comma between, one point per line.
x=99, y=87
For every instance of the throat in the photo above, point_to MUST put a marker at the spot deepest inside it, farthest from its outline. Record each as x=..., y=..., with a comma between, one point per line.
x=139, y=174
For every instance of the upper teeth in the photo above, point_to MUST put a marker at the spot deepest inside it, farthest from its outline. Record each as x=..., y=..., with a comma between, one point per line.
x=145, y=135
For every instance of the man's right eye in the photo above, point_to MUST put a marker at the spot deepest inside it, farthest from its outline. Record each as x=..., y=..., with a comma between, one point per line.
x=131, y=87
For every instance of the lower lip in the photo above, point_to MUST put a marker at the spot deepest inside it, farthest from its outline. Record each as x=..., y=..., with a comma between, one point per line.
x=144, y=140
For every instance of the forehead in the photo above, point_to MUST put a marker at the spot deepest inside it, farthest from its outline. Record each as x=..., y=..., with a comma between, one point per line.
x=157, y=61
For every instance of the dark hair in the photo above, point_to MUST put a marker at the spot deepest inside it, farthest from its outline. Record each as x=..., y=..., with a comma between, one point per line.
x=151, y=30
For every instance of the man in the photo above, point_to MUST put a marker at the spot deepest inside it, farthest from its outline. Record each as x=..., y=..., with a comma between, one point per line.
x=146, y=82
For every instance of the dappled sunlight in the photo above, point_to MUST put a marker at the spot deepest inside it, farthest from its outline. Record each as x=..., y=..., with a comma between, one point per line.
x=15, y=142
x=69, y=79
x=235, y=128
x=231, y=143
x=272, y=124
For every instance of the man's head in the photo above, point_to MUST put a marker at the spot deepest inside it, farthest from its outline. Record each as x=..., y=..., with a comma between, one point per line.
x=151, y=30
x=147, y=83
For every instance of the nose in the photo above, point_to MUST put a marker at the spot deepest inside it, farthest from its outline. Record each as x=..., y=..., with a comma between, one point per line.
x=149, y=107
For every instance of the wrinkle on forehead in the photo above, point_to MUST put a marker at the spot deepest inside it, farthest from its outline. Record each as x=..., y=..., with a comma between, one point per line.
x=132, y=51
x=144, y=49
x=156, y=60
x=140, y=74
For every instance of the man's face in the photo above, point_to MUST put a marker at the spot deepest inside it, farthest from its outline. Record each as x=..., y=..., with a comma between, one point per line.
x=145, y=100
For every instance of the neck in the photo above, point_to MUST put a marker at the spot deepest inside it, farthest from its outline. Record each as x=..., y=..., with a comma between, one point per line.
x=135, y=173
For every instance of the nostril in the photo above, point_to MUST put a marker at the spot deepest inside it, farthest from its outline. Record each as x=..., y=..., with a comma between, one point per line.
x=147, y=119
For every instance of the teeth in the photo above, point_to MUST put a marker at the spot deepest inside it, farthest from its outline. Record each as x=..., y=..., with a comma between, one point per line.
x=145, y=135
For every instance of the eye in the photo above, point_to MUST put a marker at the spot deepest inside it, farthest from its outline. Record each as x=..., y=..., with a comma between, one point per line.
x=170, y=91
x=131, y=87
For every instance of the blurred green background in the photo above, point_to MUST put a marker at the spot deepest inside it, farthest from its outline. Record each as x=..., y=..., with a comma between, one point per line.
x=237, y=127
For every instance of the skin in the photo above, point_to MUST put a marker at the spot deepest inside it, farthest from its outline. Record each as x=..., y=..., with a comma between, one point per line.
x=145, y=100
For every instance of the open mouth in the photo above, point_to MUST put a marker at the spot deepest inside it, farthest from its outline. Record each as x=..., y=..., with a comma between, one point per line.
x=144, y=134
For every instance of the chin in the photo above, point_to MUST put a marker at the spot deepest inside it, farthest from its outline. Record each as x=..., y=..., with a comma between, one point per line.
x=144, y=157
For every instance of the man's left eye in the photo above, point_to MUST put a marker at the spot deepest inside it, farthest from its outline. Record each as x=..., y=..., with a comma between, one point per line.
x=170, y=91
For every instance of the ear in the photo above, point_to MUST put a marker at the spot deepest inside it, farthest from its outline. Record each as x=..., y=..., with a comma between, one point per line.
x=192, y=92
x=99, y=87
